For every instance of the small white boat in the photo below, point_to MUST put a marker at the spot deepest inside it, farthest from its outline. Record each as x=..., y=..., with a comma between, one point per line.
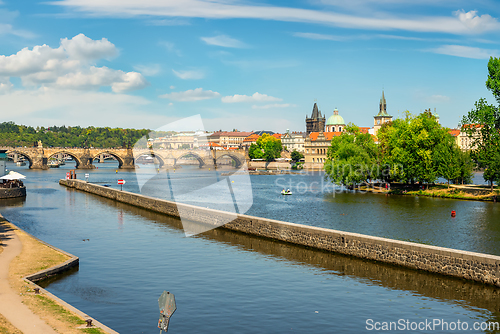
x=53, y=164
x=288, y=192
x=21, y=163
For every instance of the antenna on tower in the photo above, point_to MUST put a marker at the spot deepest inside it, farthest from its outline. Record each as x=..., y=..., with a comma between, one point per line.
x=315, y=100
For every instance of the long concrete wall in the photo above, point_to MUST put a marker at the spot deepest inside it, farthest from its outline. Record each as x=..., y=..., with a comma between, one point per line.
x=478, y=267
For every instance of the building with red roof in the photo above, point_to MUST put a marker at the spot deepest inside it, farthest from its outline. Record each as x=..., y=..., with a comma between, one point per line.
x=229, y=139
x=252, y=139
x=316, y=148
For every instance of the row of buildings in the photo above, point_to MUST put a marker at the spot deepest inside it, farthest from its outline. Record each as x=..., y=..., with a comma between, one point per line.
x=313, y=143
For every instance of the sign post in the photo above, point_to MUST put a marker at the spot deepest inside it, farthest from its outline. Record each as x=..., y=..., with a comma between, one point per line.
x=87, y=177
x=67, y=176
x=121, y=182
x=166, y=302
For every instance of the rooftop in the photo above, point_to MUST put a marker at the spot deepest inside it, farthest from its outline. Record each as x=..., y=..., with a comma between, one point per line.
x=328, y=135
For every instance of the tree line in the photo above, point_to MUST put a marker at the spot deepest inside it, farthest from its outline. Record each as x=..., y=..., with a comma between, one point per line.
x=411, y=149
x=15, y=135
x=418, y=149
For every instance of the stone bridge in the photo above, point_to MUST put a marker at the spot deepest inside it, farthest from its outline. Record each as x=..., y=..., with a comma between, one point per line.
x=84, y=157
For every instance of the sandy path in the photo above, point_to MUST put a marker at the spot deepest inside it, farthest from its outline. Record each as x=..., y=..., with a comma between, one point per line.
x=11, y=306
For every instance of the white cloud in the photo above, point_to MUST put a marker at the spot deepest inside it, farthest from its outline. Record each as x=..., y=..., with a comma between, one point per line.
x=5, y=85
x=96, y=77
x=68, y=66
x=172, y=87
x=225, y=41
x=460, y=23
x=466, y=51
x=477, y=23
x=191, y=95
x=148, y=70
x=72, y=107
x=256, y=97
x=129, y=81
x=311, y=35
x=40, y=58
x=83, y=48
x=274, y=105
x=189, y=75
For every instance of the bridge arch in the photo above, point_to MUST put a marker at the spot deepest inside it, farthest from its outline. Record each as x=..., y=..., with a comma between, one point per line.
x=74, y=156
x=26, y=156
x=116, y=156
x=235, y=157
x=161, y=161
x=191, y=153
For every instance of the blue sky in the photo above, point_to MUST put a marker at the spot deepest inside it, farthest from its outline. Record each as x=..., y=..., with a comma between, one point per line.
x=241, y=64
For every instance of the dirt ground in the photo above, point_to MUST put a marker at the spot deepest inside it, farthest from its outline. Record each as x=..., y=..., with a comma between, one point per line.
x=7, y=328
x=34, y=257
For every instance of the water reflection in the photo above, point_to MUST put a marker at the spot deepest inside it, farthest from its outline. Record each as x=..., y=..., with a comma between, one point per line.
x=13, y=202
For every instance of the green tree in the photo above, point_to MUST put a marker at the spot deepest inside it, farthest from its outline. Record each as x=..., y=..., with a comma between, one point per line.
x=255, y=152
x=62, y=136
x=296, y=155
x=411, y=148
x=466, y=166
x=493, y=81
x=483, y=128
x=447, y=158
x=492, y=172
x=271, y=146
x=351, y=158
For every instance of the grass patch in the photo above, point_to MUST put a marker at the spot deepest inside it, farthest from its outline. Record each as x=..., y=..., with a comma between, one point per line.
x=7, y=328
x=442, y=191
x=93, y=331
x=57, y=310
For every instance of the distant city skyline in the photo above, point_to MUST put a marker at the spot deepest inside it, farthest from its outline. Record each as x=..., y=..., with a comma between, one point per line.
x=243, y=65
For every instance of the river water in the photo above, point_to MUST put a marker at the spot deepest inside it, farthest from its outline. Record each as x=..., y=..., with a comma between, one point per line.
x=226, y=282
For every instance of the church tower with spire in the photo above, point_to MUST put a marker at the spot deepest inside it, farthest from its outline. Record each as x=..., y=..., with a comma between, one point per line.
x=315, y=123
x=382, y=116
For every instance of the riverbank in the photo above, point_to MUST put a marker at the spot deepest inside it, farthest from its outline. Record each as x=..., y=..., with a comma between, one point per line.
x=452, y=192
x=446, y=261
x=25, y=260
x=471, y=193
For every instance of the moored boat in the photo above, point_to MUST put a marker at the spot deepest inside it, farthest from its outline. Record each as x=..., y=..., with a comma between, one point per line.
x=53, y=164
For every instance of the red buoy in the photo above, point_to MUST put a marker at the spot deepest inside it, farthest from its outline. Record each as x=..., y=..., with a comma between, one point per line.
x=453, y=213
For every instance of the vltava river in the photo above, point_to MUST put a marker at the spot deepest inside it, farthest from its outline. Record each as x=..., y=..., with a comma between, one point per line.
x=226, y=282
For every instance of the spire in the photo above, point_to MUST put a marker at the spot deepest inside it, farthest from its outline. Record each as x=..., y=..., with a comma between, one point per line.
x=383, y=106
x=315, y=113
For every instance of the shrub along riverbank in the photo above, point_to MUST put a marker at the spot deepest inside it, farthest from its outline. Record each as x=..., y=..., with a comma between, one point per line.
x=454, y=192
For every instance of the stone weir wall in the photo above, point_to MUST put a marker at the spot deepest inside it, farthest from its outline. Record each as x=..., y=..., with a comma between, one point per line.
x=12, y=192
x=478, y=267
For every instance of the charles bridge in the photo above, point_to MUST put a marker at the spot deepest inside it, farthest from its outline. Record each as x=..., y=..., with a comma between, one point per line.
x=38, y=157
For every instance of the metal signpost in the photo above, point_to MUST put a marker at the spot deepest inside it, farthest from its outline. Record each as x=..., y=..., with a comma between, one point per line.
x=121, y=183
x=166, y=302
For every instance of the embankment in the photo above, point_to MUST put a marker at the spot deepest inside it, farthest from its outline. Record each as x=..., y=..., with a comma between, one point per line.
x=478, y=267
